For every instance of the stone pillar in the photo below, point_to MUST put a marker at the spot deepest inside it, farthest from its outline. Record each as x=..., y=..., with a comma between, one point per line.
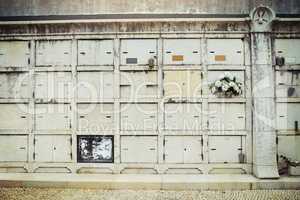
x=264, y=135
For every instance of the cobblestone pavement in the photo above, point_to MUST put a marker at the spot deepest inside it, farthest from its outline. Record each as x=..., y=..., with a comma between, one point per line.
x=94, y=194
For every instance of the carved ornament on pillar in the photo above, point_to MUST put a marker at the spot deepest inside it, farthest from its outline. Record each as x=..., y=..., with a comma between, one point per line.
x=262, y=18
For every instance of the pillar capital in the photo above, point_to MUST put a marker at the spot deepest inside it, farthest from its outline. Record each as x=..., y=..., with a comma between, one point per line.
x=262, y=18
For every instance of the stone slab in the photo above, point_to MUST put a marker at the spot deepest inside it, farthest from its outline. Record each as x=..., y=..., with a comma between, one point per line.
x=139, y=181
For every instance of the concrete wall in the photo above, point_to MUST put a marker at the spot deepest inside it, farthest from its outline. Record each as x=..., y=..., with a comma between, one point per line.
x=91, y=7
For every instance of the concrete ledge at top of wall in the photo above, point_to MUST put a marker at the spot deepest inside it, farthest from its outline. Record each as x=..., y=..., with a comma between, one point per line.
x=144, y=181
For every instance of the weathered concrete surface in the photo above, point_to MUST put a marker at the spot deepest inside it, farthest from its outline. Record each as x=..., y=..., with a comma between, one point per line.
x=92, y=7
x=146, y=181
x=125, y=27
x=76, y=7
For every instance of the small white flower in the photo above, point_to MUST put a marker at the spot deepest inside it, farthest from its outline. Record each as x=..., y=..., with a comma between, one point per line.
x=218, y=84
x=213, y=90
x=228, y=75
x=224, y=88
x=225, y=83
x=232, y=84
x=236, y=88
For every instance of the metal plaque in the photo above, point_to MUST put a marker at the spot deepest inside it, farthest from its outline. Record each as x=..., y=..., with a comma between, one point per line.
x=177, y=58
x=131, y=61
x=220, y=58
x=95, y=149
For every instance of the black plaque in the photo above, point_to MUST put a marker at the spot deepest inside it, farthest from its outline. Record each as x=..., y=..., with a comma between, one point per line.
x=95, y=149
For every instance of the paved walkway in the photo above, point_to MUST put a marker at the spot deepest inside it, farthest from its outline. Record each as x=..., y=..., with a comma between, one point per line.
x=94, y=194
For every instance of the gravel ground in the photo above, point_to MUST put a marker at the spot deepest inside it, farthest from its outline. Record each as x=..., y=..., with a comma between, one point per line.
x=94, y=194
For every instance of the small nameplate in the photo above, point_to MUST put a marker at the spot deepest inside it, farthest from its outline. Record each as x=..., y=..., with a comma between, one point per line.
x=131, y=60
x=220, y=58
x=177, y=58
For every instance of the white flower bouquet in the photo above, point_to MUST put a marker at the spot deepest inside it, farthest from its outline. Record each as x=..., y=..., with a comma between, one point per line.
x=226, y=86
